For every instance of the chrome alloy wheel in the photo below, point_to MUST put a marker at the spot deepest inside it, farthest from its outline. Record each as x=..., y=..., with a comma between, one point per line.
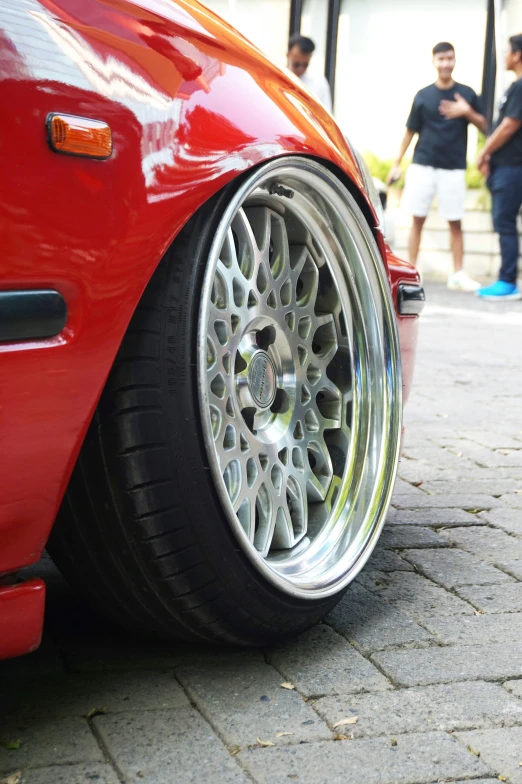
x=299, y=377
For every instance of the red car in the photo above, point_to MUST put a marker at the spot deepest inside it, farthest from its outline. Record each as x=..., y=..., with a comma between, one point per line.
x=205, y=340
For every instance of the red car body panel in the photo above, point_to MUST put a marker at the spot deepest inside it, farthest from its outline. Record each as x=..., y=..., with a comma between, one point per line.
x=21, y=617
x=191, y=106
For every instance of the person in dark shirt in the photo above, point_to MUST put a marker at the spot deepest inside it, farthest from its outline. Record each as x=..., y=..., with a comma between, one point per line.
x=501, y=162
x=440, y=116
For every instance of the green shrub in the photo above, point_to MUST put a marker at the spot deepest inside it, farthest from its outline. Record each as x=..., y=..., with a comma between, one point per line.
x=483, y=200
x=474, y=178
x=381, y=168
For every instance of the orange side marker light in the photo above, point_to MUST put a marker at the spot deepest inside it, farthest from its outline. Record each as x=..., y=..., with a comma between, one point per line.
x=79, y=136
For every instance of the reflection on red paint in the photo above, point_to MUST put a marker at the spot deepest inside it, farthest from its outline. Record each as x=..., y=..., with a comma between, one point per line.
x=191, y=106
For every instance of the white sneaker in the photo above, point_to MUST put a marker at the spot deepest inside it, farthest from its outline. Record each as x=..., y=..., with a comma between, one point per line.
x=461, y=281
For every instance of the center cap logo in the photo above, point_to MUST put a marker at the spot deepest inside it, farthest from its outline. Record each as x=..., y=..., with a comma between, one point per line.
x=262, y=380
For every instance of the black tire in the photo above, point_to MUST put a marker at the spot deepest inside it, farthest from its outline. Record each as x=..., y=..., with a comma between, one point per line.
x=143, y=528
x=150, y=555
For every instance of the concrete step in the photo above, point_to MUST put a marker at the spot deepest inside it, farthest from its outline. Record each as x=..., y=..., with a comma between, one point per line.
x=437, y=265
x=472, y=221
x=481, y=246
x=476, y=199
x=439, y=239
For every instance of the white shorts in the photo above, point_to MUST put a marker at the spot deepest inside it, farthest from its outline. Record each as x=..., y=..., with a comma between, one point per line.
x=423, y=182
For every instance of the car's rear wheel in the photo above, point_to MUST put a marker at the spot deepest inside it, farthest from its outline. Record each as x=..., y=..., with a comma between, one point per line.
x=238, y=469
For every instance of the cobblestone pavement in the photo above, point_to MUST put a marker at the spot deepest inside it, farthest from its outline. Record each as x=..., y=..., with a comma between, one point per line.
x=416, y=677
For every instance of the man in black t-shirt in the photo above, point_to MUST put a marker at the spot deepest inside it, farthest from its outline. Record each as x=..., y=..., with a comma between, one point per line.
x=440, y=116
x=501, y=162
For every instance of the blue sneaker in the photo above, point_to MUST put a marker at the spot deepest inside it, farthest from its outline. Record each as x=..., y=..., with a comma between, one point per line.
x=500, y=290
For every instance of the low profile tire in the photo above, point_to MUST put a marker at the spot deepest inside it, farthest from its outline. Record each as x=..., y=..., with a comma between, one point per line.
x=239, y=466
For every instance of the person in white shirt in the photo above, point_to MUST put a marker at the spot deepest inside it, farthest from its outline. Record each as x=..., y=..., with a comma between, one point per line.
x=300, y=51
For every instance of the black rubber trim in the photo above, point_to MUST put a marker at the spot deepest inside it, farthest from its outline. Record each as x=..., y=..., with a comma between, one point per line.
x=411, y=300
x=31, y=315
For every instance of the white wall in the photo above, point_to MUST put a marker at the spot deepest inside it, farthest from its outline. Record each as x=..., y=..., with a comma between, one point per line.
x=384, y=57
x=513, y=17
x=314, y=21
x=510, y=24
x=264, y=22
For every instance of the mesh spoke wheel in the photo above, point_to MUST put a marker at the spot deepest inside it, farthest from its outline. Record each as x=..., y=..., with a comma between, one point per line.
x=299, y=379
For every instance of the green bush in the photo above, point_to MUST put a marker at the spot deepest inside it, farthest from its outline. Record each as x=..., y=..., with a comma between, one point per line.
x=474, y=178
x=381, y=168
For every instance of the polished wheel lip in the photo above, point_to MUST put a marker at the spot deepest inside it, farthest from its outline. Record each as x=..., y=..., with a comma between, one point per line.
x=336, y=576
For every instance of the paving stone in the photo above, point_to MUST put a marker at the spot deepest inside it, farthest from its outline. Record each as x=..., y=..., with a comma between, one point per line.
x=500, y=749
x=492, y=439
x=513, y=500
x=71, y=774
x=480, y=454
x=450, y=568
x=433, y=517
x=414, y=437
x=47, y=742
x=247, y=702
x=509, y=520
x=415, y=759
x=477, y=629
x=322, y=662
x=515, y=687
x=513, y=568
x=446, y=665
x=477, y=781
x=489, y=544
x=414, y=595
x=508, y=457
x=422, y=709
x=465, y=501
x=439, y=456
x=464, y=378
x=498, y=472
x=415, y=471
x=371, y=624
x=402, y=487
x=177, y=747
x=491, y=486
x=399, y=537
x=505, y=598
x=372, y=579
x=388, y=561
x=77, y=694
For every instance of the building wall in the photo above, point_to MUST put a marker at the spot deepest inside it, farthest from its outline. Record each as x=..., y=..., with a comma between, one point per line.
x=314, y=22
x=264, y=22
x=383, y=53
x=513, y=17
x=384, y=57
x=510, y=24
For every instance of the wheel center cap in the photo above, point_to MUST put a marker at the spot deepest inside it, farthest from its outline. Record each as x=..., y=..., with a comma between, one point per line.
x=262, y=379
